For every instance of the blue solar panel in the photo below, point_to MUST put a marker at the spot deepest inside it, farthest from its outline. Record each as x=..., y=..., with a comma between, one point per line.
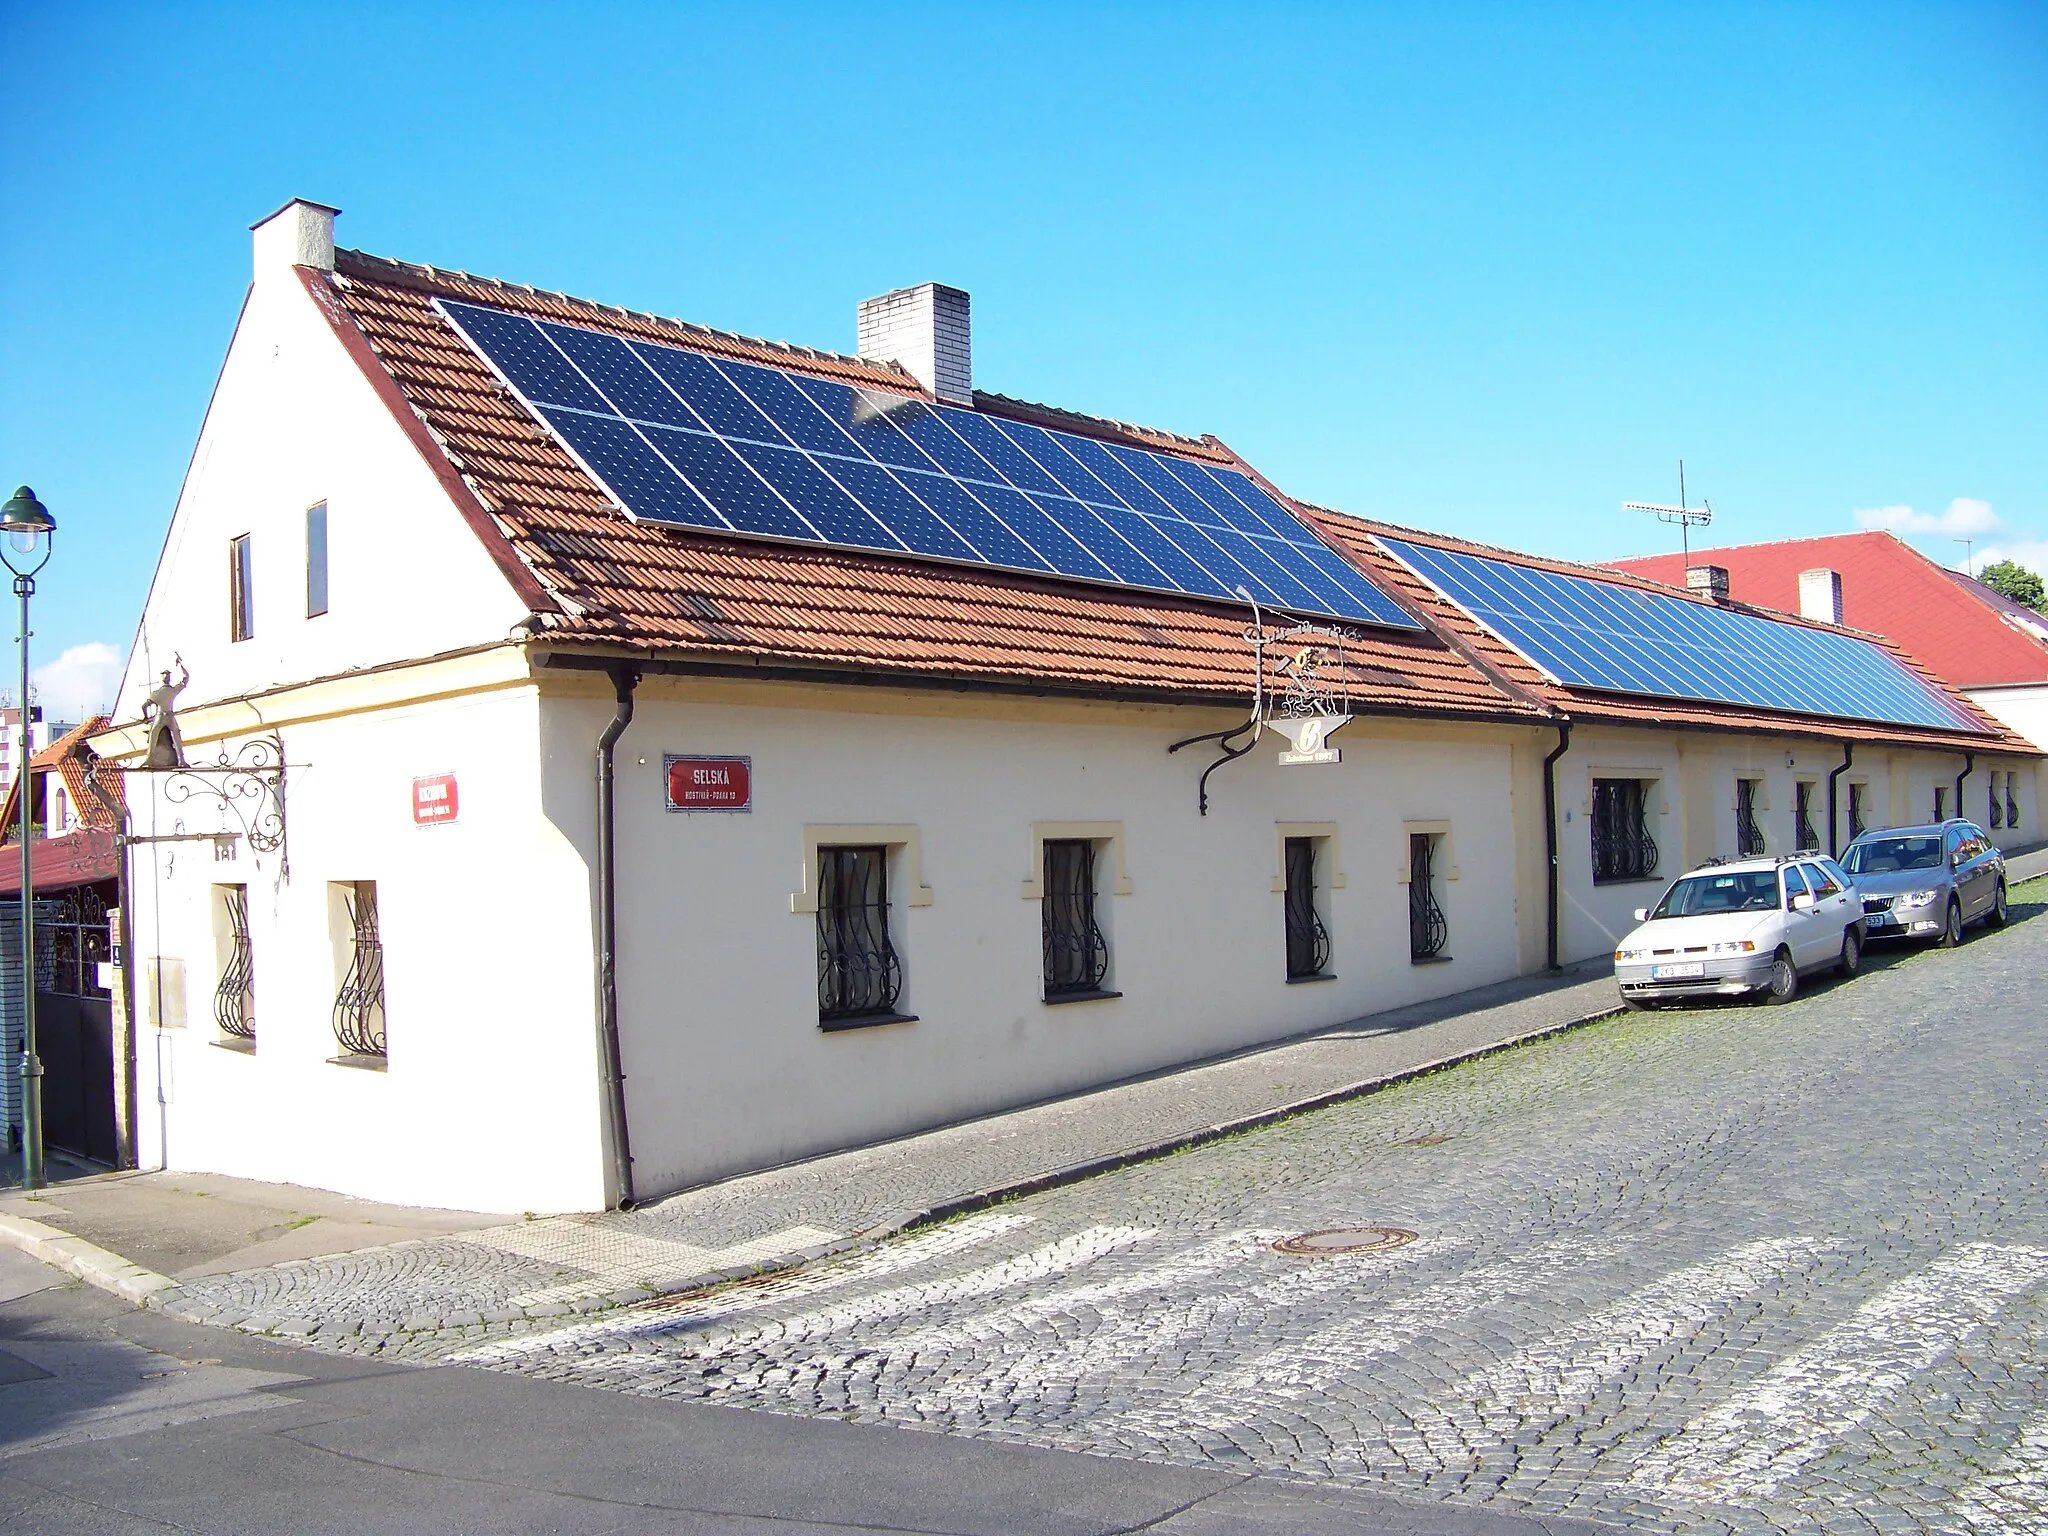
x=1619, y=638
x=676, y=436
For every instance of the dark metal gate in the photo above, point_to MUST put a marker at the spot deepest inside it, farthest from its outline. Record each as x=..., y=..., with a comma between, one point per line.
x=75, y=1030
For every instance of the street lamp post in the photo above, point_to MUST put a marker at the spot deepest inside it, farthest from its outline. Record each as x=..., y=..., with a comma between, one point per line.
x=29, y=529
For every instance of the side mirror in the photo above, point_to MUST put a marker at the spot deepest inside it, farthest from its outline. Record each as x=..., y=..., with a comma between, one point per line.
x=1802, y=903
x=1642, y=914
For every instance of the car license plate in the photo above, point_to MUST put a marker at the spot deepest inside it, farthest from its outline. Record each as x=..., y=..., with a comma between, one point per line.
x=1679, y=971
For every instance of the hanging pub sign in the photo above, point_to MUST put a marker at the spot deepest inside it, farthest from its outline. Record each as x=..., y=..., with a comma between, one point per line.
x=709, y=783
x=434, y=800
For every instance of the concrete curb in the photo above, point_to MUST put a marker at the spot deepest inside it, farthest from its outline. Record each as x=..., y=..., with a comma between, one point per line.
x=94, y=1265
x=1073, y=1173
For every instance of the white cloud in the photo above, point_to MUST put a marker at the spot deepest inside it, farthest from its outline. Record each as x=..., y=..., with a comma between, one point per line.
x=2032, y=553
x=79, y=682
x=1965, y=517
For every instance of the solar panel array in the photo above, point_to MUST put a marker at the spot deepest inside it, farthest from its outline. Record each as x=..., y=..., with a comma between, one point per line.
x=1620, y=638
x=677, y=436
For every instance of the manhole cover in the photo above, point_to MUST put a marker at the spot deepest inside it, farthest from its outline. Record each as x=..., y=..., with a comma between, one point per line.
x=1332, y=1241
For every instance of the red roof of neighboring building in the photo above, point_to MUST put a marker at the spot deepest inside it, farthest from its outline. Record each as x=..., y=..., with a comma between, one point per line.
x=1356, y=537
x=1957, y=626
x=98, y=800
x=84, y=857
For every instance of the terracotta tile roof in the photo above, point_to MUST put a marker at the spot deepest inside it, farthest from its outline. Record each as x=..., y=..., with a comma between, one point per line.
x=98, y=801
x=1955, y=625
x=1355, y=536
x=597, y=577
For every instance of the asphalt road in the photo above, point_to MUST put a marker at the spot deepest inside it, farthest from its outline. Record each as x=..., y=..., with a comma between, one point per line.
x=1730, y=1269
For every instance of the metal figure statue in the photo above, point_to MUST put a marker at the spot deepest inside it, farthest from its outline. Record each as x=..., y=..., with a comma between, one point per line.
x=166, y=747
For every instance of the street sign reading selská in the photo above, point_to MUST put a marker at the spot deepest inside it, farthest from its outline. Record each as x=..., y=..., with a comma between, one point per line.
x=710, y=783
x=434, y=799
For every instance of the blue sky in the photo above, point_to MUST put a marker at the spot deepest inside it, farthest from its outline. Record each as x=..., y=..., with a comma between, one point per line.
x=1491, y=269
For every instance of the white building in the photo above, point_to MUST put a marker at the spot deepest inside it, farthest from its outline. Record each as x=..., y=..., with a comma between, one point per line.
x=897, y=841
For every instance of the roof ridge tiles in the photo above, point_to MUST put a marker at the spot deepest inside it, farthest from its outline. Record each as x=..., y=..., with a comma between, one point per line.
x=428, y=274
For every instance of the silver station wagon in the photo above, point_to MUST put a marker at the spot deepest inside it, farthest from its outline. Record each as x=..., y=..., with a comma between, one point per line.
x=1927, y=882
x=1745, y=928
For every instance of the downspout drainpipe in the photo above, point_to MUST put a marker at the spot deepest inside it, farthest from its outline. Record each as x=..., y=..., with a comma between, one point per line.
x=1564, y=741
x=1969, y=767
x=624, y=681
x=1848, y=762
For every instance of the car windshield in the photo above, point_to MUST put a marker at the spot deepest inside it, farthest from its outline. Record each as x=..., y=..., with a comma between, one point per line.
x=1753, y=890
x=1889, y=854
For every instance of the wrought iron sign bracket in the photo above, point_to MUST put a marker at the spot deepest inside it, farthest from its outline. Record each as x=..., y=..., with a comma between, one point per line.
x=247, y=784
x=1315, y=703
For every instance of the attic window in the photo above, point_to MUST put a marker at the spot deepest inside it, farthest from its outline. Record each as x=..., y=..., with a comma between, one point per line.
x=241, y=589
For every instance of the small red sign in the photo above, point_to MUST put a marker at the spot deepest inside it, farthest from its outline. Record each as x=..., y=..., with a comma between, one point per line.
x=710, y=783
x=434, y=799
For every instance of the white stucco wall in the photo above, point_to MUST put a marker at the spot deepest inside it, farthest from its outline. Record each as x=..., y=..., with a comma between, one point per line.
x=491, y=1098
x=293, y=422
x=2024, y=710
x=726, y=1066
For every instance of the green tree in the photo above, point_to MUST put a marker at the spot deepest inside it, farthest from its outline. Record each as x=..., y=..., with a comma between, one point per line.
x=2017, y=583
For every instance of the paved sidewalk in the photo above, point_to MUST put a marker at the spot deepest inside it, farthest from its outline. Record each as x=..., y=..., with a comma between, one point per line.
x=429, y=1296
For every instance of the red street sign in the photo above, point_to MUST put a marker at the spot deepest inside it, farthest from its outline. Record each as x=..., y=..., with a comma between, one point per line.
x=710, y=783
x=434, y=799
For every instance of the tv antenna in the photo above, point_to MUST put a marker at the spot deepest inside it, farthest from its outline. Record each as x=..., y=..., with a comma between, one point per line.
x=1969, y=548
x=1687, y=518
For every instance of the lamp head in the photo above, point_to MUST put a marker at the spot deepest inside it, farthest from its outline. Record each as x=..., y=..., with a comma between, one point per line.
x=26, y=521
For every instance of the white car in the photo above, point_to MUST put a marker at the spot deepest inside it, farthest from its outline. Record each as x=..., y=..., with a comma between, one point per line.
x=1746, y=927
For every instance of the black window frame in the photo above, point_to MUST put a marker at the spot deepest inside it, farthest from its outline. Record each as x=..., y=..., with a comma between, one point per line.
x=1623, y=849
x=860, y=970
x=1804, y=836
x=1749, y=833
x=1429, y=929
x=1308, y=938
x=1940, y=803
x=1073, y=951
x=1857, y=825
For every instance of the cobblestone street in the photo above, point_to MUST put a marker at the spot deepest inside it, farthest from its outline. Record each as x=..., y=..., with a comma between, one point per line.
x=1704, y=1270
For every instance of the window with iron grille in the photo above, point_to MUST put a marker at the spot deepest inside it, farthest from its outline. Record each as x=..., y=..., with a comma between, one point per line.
x=860, y=976
x=1428, y=929
x=1622, y=846
x=359, y=1005
x=2012, y=804
x=1749, y=837
x=1308, y=941
x=1076, y=955
x=234, y=996
x=241, y=589
x=1856, y=818
x=1941, y=802
x=1802, y=816
x=1997, y=803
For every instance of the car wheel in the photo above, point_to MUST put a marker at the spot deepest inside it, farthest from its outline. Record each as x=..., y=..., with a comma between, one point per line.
x=1998, y=912
x=1952, y=930
x=1852, y=952
x=1784, y=983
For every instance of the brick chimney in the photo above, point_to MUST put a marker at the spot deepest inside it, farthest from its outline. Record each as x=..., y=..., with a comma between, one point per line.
x=1708, y=581
x=1820, y=596
x=925, y=329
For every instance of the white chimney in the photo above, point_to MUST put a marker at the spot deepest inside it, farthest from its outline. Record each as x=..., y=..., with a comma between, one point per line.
x=300, y=234
x=1820, y=596
x=925, y=330
x=1708, y=581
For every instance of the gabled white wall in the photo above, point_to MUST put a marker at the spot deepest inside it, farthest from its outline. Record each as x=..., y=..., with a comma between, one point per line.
x=293, y=421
